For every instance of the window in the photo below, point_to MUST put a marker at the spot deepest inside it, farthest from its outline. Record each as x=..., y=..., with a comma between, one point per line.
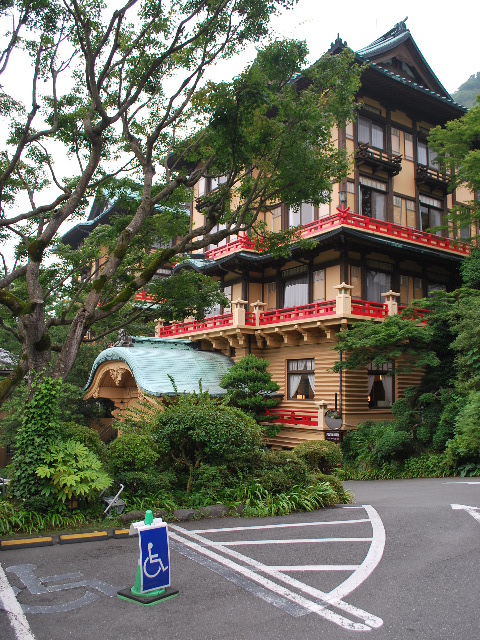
x=431, y=213
x=426, y=156
x=370, y=133
x=408, y=146
x=300, y=215
x=396, y=141
x=301, y=379
x=380, y=386
x=377, y=283
x=217, y=309
x=411, y=288
x=356, y=281
x=295, y=293
x=349, y=130
x=271, y=295
x=319, y=285
x=373, y=200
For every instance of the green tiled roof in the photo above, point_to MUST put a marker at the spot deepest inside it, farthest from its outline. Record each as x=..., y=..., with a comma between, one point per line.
x=151, y=365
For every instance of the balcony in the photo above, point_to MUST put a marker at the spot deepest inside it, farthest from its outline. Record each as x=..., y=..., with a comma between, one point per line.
x=347, y=219
x=432, y=178
x=378, y=160
x=308, y=322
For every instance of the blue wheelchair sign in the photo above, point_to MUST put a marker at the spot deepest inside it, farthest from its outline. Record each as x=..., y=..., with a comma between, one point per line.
x=154, y=558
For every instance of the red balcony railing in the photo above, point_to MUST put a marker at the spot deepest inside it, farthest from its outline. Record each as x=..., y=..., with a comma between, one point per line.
x=143, y=296
x=208, y=324
x=304, y=418
x=369, y=309
x=313, y=310
x=345, y=217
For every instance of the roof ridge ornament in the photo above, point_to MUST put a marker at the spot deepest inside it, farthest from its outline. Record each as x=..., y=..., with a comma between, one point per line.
x=400, y=27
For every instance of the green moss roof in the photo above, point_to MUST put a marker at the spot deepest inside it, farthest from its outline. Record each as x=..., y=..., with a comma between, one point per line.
x=153, y=363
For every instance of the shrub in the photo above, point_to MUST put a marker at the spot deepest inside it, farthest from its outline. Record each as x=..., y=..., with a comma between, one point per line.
x=279, y=471
x=72, y=471
x=320, y=455
x=377, y=443
x=86, y=436
x=148, y=483
x=250, y=386
x=260, y=502
x=427, y=466
x=196, y=430
x=342, y=495
x=132, y=452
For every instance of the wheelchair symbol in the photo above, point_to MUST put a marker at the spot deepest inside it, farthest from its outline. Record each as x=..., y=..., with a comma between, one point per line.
x=151, y=561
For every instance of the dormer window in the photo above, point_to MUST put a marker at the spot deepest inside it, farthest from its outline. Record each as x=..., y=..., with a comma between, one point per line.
x=370, y=133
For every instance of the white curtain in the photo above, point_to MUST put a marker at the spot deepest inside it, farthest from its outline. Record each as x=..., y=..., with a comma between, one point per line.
x=311, y=382
x=379, y=201
x=294, y=217
x=296, y=292
x=377, y=136
x=293, y=384
x=364, y=130
x=377, y=283
x=371, y=380
x=388, y=388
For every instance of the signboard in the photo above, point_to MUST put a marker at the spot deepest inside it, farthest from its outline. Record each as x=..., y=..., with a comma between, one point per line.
x=154, y=558
x=334, y=436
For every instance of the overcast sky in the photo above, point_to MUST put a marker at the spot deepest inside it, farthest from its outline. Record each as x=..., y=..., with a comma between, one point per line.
x=447, y=34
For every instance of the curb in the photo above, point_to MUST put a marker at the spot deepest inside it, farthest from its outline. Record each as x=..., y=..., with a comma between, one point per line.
x=70, y=538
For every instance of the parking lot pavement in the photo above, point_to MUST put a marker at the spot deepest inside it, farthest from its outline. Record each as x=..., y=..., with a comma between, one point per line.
x=399, y=563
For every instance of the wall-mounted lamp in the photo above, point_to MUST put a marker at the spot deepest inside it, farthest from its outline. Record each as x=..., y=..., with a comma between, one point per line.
x=342, y=196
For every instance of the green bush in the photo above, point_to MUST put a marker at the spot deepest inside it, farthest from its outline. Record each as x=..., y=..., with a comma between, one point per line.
x=131, y=452
x=15, y=519
x=376, y=444
x=342, y=495
x=86, y=436
x=147, y=483
x=261, y=503
x=73, y=471
x=320, y=455
x=197, y=430
x=465, y=446
x=279, y=471
x=427, y=466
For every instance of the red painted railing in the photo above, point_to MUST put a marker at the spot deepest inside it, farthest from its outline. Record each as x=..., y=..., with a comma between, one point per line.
x=369, y=309
x=416, y=313
x=143, y=296
x=304, y=418
x=192, y=326
x=313, y=310
x=345, y=217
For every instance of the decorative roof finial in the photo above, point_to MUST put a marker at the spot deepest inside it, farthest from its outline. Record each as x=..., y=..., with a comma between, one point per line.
x=400, y=27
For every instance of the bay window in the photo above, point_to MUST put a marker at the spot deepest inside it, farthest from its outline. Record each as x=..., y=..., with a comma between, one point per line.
x=301, y=379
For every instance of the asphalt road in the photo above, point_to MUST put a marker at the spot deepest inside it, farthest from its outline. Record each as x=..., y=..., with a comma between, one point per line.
x=401, y=564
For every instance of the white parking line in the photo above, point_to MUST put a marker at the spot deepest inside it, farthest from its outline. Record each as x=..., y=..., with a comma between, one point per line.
x=319, y=609
x=283, y=525
x=241, y=543
x=14, y=612
x=334, y=598
x=473, y=511
x=316, y=567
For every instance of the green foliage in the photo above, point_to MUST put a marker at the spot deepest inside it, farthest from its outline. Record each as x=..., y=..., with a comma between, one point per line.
x=14, y=519
x=132, y=452
x=86, y=436
x=398, y=339
x=187, y=293
x=320, y=455
x=468, y=91
x=250, y=386
x=279, y=471
x=39, y=431
x=73, y=471
x=198, y=430
x=376, y=443
x=465, y=446
x=261, y=503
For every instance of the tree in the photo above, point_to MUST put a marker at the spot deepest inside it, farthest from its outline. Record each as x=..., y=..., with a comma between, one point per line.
x=135, y=120
x=458, y=148
x=251, y=387
x=468, y=91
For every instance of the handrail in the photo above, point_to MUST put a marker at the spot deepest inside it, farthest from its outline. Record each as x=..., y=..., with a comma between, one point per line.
x=312, y=310
x=345, y=217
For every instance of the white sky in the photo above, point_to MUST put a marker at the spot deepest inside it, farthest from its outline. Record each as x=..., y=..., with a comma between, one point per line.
x=447, y=35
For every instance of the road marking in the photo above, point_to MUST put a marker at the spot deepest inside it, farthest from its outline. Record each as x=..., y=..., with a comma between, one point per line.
x=292, y=608
x=12, y=608
x=372, y=558
x=316, y=567
x=36, y=586
x=241, y=543
x=279, y=526
x=460, y=482
x=473, y=511
x=319, y=609
x=334, y=598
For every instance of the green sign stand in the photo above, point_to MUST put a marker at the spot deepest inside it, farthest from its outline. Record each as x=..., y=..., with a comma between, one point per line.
x=136, y=594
